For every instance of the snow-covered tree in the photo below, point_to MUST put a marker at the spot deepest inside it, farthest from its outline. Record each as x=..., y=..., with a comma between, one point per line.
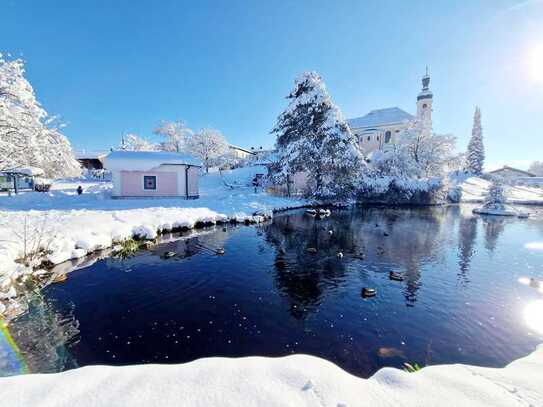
x=495, y=196
x=313, y=137
x=209, y=145
x=176, y=134
x=28, y=135
x=475, y=155
x=395, y=162
x=60, y=160
x=133, y=142
x=536, y=168
x=431, y=154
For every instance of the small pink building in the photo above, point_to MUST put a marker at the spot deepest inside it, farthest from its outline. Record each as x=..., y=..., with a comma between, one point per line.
x=153, y=174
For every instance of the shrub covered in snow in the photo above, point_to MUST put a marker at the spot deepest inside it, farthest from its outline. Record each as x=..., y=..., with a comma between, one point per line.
x=495, y=197
x=394, y=176
x=397, y=190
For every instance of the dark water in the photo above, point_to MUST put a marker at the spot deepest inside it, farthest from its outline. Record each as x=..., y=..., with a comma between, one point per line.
x=461, y=299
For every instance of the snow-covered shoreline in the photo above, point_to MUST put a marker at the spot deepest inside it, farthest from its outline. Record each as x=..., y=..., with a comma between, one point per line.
x=71, y=227
x=297, y=380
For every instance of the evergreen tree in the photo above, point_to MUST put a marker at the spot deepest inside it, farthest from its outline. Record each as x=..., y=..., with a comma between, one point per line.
x=475, y=156
x=495, y=197
x=314, y=138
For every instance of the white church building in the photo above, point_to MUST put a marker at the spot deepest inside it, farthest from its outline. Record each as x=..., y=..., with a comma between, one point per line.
x=383, y=127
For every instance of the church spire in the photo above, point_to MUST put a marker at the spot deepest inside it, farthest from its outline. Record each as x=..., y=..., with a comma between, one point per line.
x=426, y=81
x=425, y=101
x=425, y=93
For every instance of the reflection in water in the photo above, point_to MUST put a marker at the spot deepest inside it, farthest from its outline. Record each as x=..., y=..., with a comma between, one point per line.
x=183, y=245
x=43, y=336
x=494, y=227
x=302, y=275
x=467, y=235
x=399, y=241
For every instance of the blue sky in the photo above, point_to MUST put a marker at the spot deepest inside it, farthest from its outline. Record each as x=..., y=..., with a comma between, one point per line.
x=109, y=67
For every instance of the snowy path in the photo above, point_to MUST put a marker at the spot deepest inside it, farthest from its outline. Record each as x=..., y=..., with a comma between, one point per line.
x=298, y=380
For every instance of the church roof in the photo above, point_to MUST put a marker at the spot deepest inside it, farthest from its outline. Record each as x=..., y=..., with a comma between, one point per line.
x=508, y=168
x=380, y=117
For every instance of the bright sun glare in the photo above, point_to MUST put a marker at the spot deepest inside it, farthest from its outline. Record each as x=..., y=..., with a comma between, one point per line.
x=536, y=63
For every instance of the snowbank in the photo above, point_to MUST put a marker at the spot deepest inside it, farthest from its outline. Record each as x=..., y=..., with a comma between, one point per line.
x=494, y=212
x=69, y=226
x=298, y=380
x=473, y=190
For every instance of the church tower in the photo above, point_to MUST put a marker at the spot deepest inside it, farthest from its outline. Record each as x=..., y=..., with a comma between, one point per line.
x=424, y=102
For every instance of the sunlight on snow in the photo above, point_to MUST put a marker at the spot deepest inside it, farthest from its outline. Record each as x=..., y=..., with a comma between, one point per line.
x=534, y=245
x=533, y=316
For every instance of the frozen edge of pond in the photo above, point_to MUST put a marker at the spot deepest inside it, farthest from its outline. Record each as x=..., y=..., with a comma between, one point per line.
x=298, y=380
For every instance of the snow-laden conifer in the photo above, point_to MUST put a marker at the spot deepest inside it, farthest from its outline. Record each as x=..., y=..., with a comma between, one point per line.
x=495, y=199
x=475, y=156
x=314, y=138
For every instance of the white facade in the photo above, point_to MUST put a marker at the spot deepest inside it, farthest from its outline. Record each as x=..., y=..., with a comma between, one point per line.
x=240, y=153
x=383, y=127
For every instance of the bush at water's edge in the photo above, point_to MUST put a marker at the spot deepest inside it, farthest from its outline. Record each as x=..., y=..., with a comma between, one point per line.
x=391, y=191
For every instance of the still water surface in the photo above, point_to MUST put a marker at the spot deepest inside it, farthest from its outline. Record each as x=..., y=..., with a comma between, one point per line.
x=462, y=299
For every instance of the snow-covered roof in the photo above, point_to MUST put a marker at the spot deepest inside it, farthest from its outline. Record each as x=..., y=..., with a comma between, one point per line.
x=241, y=149
x=84, y=154
x=380, y=117
x=508, y=168
x=146, y=160
x=29, y=171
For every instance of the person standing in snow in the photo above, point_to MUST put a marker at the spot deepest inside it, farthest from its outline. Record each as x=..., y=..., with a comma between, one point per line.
x=79, y=190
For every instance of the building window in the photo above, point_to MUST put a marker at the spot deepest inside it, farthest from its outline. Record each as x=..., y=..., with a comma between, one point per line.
x=388, y=134
x=377, y=138
x=149, y=182
x=424, y=106
x=369, y=138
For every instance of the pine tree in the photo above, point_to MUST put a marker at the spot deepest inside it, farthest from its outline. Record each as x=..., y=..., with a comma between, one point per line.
x=495, y=197
x=314, y=138
x=475, y=156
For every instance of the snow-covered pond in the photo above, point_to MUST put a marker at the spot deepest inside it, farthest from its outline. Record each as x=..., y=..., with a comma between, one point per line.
x=463, y=296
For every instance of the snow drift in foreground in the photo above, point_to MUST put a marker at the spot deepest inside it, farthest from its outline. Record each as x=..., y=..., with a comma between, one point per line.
x=297, y=380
